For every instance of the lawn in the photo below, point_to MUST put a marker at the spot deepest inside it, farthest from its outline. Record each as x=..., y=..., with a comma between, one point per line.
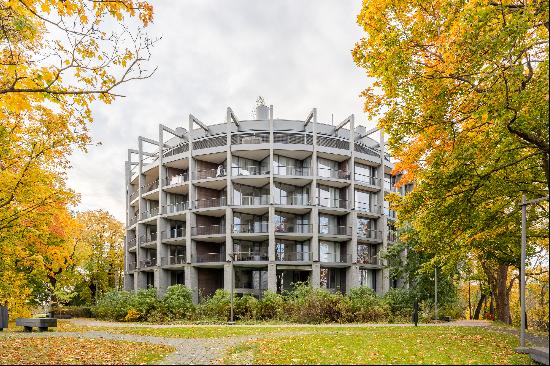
x=384, y=345
x=68, y=350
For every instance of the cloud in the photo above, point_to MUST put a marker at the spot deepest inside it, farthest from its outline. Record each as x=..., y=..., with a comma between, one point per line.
x=215, y=54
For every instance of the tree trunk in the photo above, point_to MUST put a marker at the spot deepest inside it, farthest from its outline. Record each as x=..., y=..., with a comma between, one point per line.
x=479, y=303
x=498, y=280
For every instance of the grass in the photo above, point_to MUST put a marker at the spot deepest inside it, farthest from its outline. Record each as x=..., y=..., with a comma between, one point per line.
x=70, y=351
x=384, y=345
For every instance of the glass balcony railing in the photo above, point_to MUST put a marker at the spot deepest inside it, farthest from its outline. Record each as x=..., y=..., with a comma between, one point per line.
x=333, y=173
x=133, y=220
x=151, y=213
x=148, y=238
x=209, y=173
x=333, y=202
x=369, y=234
x=334, y=230
x=251, y=256
x=176, y=233
x=368, y=207
x=249, y=170
x=293, y=256
x=177, y=179
x=334, y=258
x=210, y=202
x=208, y=230
x=146, y=263
x=283, y=227
x=292, y=171
x=250, y=228
x=293, y=200
x=175, y=207
x=173, y=259
x=210, y=257
x=253, y=200
x=369, y=259
x=367, y=179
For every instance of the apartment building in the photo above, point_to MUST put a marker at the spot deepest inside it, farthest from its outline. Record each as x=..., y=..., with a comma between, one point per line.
x=265, y=202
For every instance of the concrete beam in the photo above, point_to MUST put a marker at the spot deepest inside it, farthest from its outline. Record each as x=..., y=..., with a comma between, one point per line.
x=232, y=117
x=201, y=125
x=311, y=116
x=343, y=123
x=169, y=130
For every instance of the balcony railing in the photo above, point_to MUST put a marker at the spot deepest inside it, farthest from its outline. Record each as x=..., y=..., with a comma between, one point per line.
x=369, y=259
x=293, y=256
x=210, y=257
x=177, y=179
x=334, y=258
x=180, y=148
x=293, y=228
x=211, y=202
x=390, y=213
x=150, y=186
x=368, y=207
x=133, y=195
x=175, y=207
x=151, y=213
x=333, y=142
x=388, y=186
x=249, y=287
x=333, y=173
x=249, y=138
x=149, y=238
x=253, y=200
x=367, y=150
x=132, y=266
x=369, y=234
x=334, y=230
x=210, y=173
x=132, y=220
x=249, y=170
x=131, y=242
x=250, y=228
x=294, y=201
x=146, y=263
x=292, y=138
x=333, y=202
x=208, y=230
x=251, y=256
x=367, y=179
x=292, y=171
x=173, y=259
x=392, y=236
x=178, y=233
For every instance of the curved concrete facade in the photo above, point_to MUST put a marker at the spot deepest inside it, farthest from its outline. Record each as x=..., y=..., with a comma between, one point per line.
x=270, y=201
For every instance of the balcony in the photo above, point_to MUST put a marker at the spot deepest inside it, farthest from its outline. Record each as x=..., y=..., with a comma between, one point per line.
x=292, y=138
x=178, y=149
x=333, y=203
x=175, y=207
x=334, y=258
x=132, y=266
x=208, y=230
x=333, y=173
x=251, y=228
x=131, y=242
x=151, y=213
x=369, y=234
x=177, y=179
x=293, y=256
x=249, y=138
x=134, y=195
x=210, y=257
x=210, y=202
x=251, y=256
x=249, y=170
x=132, y=220
x=294, y=201
x=293, y=228
x=178, y=233
x=292, y=171
x=253, y=200
x=367, y=179
x=368, y=207
x=334, y=230
x=147, y=263
x=210, y=173
x=173, y=260
x=392, y=236
x=148, y=239
x=369, y=259
x=150, y=186
x=248, y=288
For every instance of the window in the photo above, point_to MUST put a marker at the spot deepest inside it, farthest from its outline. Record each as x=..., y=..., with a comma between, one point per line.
x=286, y=194
x=329, y=251
x=177, y=278
x=368, y=278
x=365, y=173
x=150, y=279
x=288, y=166
x=331, y=196
x=365, y=201
x=366, y=228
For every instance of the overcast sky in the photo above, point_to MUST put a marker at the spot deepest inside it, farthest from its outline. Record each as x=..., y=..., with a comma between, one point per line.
x=215, y=54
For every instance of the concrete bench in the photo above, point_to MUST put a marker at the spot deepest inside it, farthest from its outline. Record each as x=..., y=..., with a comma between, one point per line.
x=41, y=323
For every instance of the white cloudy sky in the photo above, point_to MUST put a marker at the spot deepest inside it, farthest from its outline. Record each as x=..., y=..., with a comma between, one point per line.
x=214, y=54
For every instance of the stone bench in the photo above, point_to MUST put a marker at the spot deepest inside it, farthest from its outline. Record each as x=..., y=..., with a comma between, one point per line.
x=41, y=323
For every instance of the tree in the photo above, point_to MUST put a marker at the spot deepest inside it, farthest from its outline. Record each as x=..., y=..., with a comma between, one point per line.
x=462, y=89
x=56, y=58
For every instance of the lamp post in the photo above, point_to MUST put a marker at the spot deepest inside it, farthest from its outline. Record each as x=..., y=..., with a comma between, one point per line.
x=524, y=203
x=436, y=293
x=232, y=257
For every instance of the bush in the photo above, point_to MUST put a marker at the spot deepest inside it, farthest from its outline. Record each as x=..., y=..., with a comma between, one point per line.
x=270, y=306
x=144, y=302
x=366, y=306
x=246, y=307
x=400, y=302
x=73, y=311
x=308, y=305
x=113, y=305
x=216, y=307
x=178, y=302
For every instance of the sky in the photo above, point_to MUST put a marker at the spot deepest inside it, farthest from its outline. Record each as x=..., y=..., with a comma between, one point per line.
x=215, y=54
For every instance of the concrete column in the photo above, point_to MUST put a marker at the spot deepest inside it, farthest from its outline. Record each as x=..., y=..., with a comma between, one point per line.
x=353, y=273
x=190, y=216
x=272, y=277
x=140, y=228
x=316, y=275
x=227, y=277
x=384, y=284
x=192, y=282
x=271, y=229
x=314, y=214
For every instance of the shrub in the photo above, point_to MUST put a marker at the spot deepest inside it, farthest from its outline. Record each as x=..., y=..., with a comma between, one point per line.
x=113, y=305
x=144, y=302
x=246, y=307
x=400, y=302
x=270, y=306
x=217, y=307
x=366, y=306
x=132, y=315
x=178, y=302
x=309, y=305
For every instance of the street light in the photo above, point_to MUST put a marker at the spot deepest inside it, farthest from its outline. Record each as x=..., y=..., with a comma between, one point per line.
x=232, y=257
x=524, y=203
